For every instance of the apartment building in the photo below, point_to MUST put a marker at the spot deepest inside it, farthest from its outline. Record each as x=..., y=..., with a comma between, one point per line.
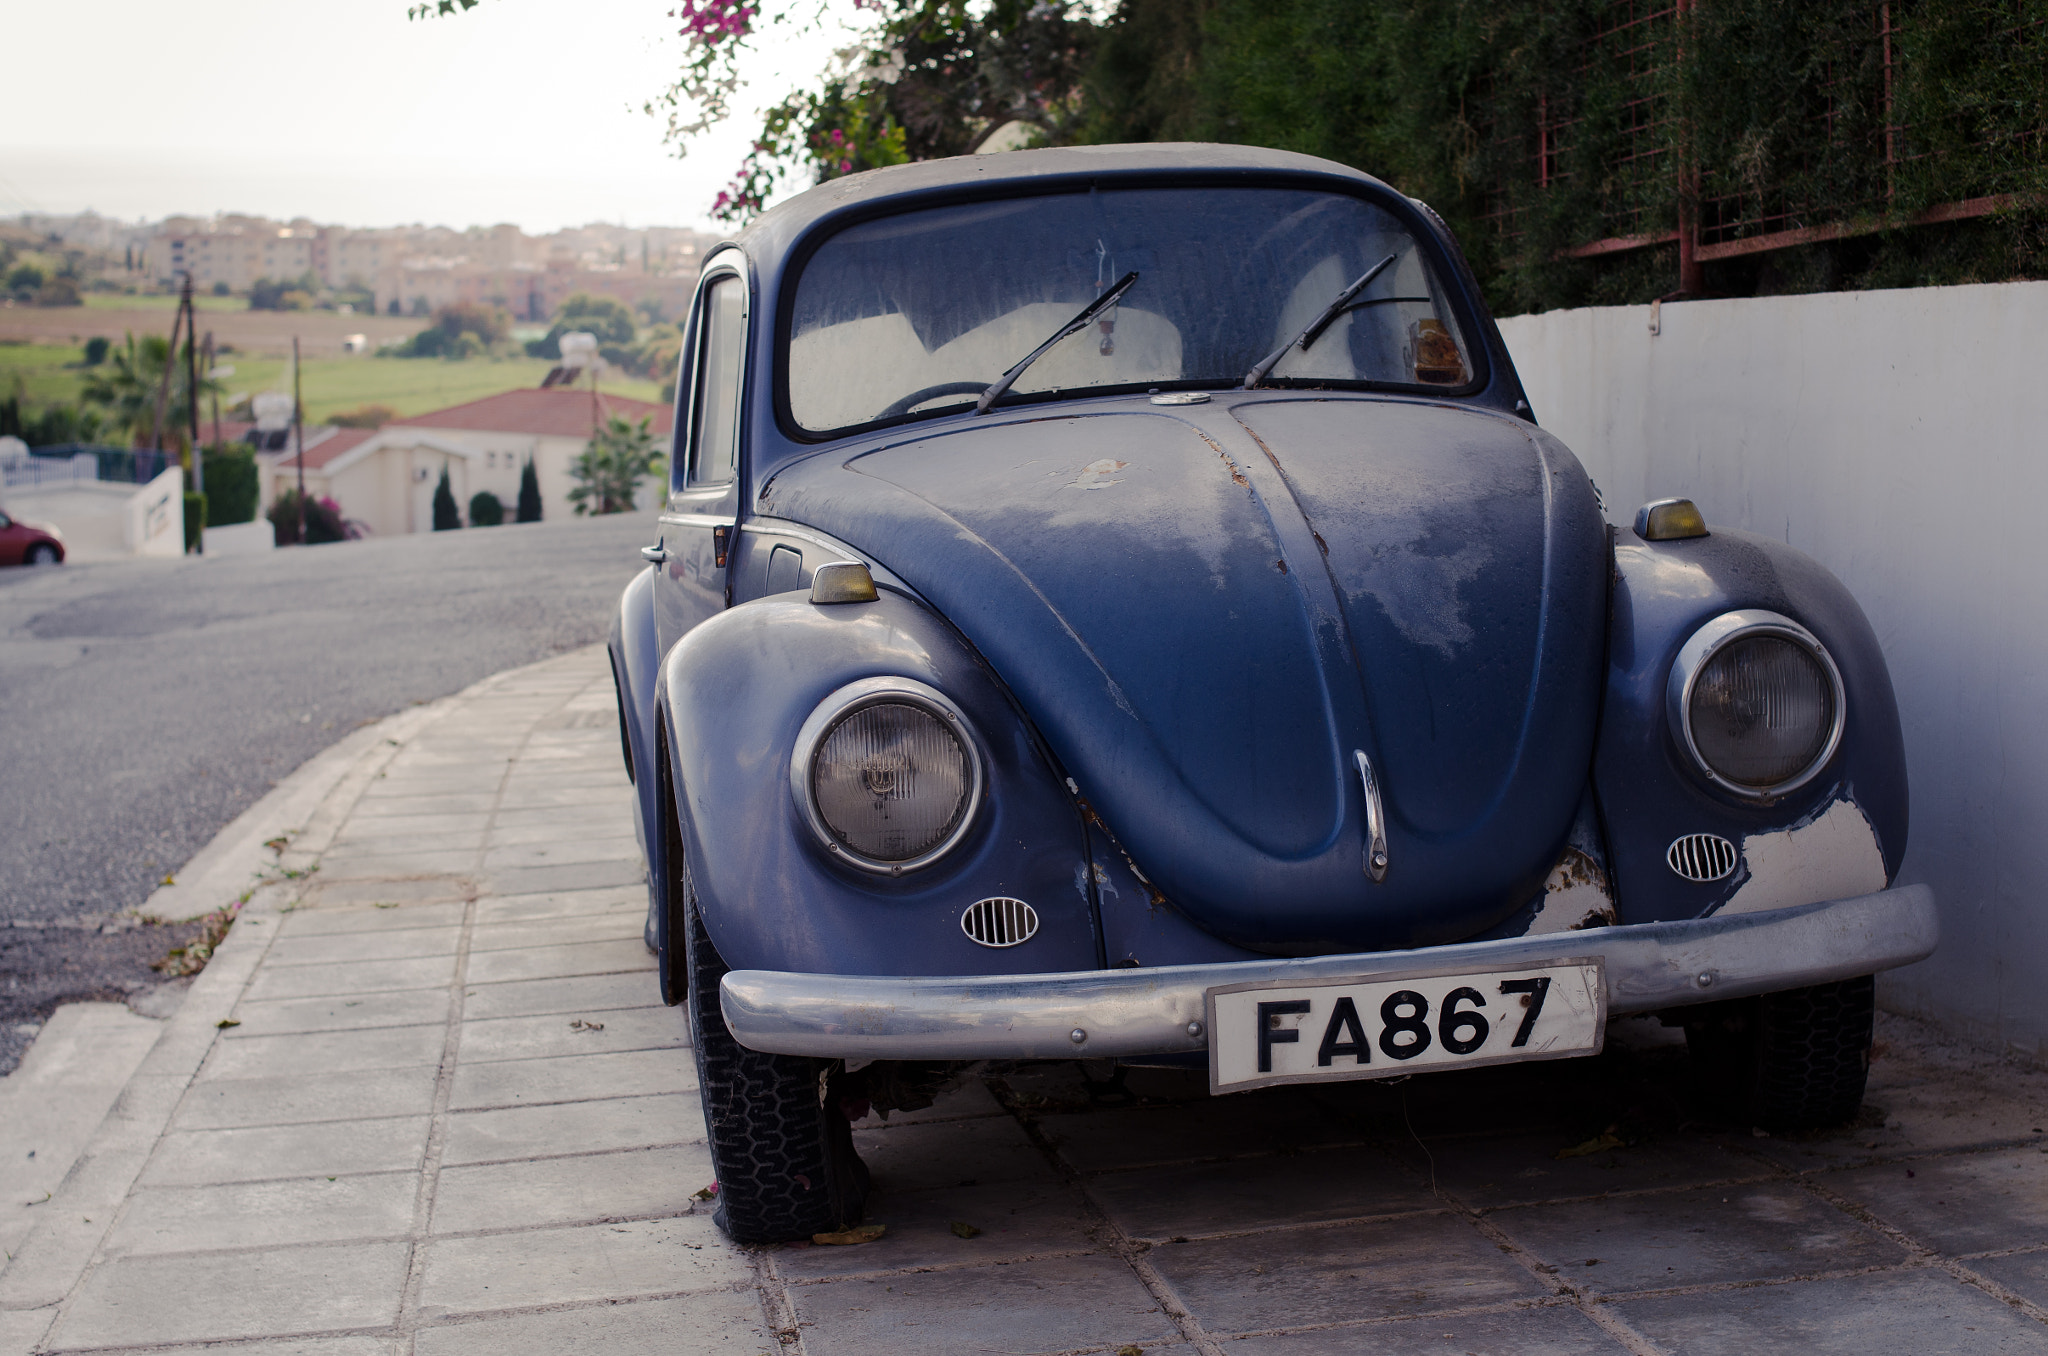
x=230, y=250
x=415, y=267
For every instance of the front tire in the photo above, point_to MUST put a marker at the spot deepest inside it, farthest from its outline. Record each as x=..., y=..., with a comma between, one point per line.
x=782, y=1148
x=1796, y=1060
x=42, y=553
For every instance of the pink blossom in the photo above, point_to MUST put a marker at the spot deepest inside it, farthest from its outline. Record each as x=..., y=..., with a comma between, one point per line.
x=712, y=21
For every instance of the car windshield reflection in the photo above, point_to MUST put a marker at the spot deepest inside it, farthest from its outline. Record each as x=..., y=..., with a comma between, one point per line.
x=903, y=315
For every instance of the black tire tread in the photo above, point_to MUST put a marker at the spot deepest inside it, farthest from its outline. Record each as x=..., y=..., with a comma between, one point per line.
x=1795, y=1060
x=1813, y=1054
x=781, y=1148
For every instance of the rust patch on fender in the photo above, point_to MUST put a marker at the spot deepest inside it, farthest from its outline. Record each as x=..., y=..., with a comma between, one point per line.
x=1088, y=811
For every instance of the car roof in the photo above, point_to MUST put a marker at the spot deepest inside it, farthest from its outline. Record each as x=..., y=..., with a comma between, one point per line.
x=773, y=235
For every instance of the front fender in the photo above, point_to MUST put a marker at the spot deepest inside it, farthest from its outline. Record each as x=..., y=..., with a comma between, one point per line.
x=635, y=655
x=1841, y=834
x=736, y=690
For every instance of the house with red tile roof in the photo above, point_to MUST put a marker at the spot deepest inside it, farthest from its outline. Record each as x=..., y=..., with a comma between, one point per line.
x=385, y=478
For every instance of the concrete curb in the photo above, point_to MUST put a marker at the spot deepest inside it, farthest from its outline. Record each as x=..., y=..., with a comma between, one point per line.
x=306, y=808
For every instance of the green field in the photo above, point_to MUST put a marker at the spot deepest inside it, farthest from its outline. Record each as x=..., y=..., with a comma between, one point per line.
x=52, y=373
x=42, y=373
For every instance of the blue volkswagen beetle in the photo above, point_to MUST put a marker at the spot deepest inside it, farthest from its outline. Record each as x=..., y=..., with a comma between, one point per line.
x=1118, y=603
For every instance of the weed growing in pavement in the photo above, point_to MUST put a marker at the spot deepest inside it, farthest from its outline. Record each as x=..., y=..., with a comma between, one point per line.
x=192, y=957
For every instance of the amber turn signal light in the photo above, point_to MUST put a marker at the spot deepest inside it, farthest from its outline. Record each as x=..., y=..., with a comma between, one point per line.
x=1669, y=519
x=844, y=581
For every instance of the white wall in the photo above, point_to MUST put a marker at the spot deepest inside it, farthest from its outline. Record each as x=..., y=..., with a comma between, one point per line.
x=1894, y=437
x=156, y=516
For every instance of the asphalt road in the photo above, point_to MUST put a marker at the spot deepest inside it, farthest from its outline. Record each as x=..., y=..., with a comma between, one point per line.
x=144, y=704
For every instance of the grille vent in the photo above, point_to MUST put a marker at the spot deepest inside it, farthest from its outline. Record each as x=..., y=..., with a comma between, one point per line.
x=1701, y=856
x=1000, y=922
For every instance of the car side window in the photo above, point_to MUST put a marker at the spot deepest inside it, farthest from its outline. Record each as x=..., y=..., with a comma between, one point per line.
x=722, y=323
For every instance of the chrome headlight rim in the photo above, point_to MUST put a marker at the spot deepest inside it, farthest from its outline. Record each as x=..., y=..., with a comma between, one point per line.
x=1692, y=659
x=856, y=697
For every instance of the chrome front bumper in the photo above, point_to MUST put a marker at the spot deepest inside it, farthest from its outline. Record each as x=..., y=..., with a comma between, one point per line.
x=1099, y=1013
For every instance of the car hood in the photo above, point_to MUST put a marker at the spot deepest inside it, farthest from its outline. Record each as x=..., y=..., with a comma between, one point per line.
x=1208, y=612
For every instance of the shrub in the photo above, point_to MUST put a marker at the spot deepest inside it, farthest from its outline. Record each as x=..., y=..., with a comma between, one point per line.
x=324, y=522
x=286, y=518
x=283, y=294
x=485, y=510
x=195, y=519
x=610, y=319
x=53, y=424
x=446, y=516
x=321, y=520
x=462, y=330
x=529, y=493
x=231, y=484
x=96, y=350
x=364, y=416
x=490, y=324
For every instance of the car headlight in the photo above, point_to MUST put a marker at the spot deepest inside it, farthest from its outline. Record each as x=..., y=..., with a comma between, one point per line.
x=887, y=774
x=1758, y=703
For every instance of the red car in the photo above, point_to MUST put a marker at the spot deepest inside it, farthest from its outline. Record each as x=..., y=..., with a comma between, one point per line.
x=25, y=543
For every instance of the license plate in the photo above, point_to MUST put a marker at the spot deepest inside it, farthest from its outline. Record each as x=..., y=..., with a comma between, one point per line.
x=1332, y=1029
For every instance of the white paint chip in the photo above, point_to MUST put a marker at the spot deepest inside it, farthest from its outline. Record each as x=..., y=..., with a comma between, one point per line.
x=1835, y=857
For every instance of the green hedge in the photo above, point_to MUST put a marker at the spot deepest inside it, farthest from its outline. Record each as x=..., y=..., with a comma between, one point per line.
x=231, y=485
x=1536, y=126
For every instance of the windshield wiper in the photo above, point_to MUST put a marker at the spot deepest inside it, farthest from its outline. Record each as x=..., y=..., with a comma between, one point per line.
x=1088, y=313
x=1314, y=329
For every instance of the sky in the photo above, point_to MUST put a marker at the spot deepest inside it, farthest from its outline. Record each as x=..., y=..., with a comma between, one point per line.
x=347, y=112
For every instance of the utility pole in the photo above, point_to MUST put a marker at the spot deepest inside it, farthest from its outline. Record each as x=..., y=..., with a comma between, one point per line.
x=163, y=388
x=216, y=393
x=192, y=404
x=299, y=436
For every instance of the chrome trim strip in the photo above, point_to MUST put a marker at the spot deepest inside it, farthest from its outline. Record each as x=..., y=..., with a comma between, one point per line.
x=1650, y=966
x=1375, y=820
x=1693, y=656
x=767, y=528
x=851, y=698
x=703, y=520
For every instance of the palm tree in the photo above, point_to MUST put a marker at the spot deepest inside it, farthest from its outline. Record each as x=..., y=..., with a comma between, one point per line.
x=128, y=382
x=610, y=469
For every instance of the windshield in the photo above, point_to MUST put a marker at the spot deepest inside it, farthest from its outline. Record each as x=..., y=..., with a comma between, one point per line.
x=919, y=312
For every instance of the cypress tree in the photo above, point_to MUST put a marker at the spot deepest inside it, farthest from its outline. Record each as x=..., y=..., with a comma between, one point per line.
x=446, y=516
x=529, y=494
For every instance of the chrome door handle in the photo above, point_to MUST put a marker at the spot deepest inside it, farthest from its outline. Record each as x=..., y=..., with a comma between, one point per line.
x=656, y=554
x=1375, y=820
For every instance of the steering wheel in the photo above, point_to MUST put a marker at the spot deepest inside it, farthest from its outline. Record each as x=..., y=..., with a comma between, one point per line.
x=944, y=388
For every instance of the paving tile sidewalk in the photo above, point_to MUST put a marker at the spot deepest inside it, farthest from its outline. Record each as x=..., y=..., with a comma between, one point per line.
x=450, y=1116
x=449, y=1113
